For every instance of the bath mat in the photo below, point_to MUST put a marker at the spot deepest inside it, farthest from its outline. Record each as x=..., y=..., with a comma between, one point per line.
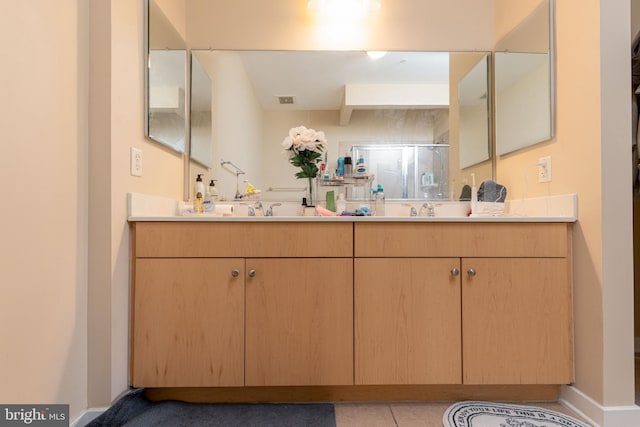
x=487, y=414
x=134, y=410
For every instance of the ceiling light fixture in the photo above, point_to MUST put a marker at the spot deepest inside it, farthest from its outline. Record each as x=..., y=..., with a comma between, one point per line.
x=342, y=7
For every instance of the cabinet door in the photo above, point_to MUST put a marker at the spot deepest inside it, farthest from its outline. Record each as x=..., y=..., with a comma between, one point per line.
x=299, y=322
x=407, y=321
x=188, y=323
x=516, y=321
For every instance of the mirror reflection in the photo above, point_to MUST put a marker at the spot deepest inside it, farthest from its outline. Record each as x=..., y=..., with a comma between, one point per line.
x=403, y=99
x=200, y=114
x=524, y=86
x=473, y=92
x=166, y=109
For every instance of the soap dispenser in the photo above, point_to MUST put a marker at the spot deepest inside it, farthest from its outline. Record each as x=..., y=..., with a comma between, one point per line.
x=198, y=195
x=209, y=204
x=213, y=190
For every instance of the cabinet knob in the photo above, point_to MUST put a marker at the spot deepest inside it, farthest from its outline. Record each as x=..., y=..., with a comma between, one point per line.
x=252, y=273
x=471, y=272
x=235, y=272
x=455, y=271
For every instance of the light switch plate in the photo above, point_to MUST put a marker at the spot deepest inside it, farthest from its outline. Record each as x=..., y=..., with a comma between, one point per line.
x=136, y=161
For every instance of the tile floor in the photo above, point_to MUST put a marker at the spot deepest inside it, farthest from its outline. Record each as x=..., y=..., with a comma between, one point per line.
x=414, y=414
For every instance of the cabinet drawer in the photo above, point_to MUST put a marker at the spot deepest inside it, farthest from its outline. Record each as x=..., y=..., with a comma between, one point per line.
x=439, y=239
x=241, y=239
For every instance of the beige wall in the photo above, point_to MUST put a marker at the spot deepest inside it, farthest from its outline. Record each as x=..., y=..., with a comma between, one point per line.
x=43, y=170
x=589, y=151
x=53, y=259
x=117, y=125
x=284, y=24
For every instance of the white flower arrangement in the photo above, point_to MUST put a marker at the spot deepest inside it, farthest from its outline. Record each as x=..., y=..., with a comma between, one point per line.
x=305, y=147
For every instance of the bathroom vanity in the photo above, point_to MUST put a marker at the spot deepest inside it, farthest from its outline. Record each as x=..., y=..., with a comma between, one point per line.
x=351, y=309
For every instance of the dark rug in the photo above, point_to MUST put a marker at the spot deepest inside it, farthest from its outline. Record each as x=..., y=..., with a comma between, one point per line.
x=135, y=410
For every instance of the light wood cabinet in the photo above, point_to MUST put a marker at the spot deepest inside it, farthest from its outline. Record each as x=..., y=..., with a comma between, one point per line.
x=516, y=321
x=282, y=314
x=188, y=323
x=251, y=304
x=299, y=322
x=407, y=321
x=511, y=307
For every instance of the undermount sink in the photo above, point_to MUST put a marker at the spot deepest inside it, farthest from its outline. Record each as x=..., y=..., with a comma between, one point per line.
x=441, y=209
x=452, y=209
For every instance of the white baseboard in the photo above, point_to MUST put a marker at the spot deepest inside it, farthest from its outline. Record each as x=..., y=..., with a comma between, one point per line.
x=87, y=416
x=596, y=414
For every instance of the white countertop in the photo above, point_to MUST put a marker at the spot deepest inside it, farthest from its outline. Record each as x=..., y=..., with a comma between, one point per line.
x=211, y=218
x=560, y=208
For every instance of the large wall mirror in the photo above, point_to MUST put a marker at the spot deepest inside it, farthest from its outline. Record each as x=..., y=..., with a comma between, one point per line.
x=524, y=82
x=380, y=109
x=166, y=76
x=240, y=121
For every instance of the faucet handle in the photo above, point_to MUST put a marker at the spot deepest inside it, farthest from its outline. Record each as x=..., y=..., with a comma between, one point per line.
x=412, y=210
x=430, y=209
x=270, y=209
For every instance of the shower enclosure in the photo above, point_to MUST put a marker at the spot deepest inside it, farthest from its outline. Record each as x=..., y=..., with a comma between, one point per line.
x=408, y=171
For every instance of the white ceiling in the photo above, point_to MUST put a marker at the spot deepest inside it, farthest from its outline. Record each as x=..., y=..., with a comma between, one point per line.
x=317, y=79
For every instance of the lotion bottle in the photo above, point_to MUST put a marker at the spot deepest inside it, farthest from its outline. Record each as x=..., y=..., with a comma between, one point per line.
x=213, y=190
x=198, y=195
x=209, y=204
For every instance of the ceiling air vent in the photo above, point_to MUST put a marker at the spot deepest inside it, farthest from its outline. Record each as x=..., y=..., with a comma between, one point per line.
x=284, y=100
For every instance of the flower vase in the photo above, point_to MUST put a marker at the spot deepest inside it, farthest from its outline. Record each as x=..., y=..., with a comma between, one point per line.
x=310, y=192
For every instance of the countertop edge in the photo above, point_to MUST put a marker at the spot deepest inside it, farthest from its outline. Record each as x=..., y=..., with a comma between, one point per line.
x=210, y=218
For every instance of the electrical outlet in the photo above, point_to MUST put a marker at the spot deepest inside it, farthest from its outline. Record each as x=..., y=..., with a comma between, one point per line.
x=544, y=169
x=136, y=161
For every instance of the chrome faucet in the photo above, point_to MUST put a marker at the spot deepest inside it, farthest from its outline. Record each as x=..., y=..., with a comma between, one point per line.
x=430, y=209
x=270, y=209
x=256, y=209
x=412, y=210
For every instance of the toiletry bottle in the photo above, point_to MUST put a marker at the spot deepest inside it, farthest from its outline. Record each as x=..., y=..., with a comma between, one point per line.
x=361, y=167
x=325, y=172
x=348, y=167
x=209, y=203
x=341, y=204
x=374, y=202
x=198, y=195
x=340, y=169
x=380, y=201
x=474, y=194
x=213, y=190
